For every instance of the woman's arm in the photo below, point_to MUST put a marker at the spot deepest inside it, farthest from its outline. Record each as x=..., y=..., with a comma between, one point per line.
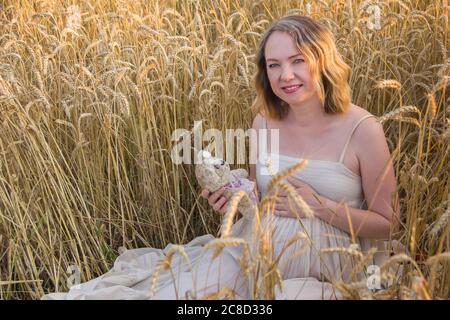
x=359, y=222
x=379, y=186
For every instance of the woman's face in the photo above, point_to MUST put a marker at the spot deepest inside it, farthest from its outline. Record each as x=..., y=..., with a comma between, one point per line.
x=287, y=70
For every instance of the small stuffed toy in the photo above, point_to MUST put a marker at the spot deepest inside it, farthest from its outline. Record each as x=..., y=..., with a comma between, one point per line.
x=214, y=173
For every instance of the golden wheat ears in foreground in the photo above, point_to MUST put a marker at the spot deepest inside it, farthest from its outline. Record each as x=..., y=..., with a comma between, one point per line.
x=91, y=93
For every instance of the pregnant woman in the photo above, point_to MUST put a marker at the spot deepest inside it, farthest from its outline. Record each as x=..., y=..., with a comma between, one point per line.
x=303, y=92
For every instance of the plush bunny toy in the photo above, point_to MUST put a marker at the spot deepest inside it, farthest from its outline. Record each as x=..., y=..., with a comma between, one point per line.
x=214, y=173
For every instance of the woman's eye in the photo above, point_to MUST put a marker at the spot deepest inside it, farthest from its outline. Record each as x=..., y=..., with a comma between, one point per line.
x=295, y=61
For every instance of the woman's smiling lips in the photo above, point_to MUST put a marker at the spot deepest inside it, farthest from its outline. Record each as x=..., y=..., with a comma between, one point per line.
x=291, y=88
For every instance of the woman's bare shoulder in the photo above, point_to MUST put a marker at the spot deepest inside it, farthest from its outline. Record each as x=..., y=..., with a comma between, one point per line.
x=347, y=121
x=362, y=131
x=368, y=130
x=356, y=112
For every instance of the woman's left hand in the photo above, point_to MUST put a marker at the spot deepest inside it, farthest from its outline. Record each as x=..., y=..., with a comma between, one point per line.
x=309, y=195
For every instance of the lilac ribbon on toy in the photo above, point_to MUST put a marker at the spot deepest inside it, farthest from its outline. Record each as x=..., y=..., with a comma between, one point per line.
x=245, y=184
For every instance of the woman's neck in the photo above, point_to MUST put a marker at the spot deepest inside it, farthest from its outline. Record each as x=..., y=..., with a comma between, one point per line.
x=308, y=114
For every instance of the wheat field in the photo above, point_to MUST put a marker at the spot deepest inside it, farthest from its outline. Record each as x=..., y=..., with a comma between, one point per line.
x=91, y=91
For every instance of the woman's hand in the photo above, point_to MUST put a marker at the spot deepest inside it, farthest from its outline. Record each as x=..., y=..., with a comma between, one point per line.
x=216, y=199
x=308, y=194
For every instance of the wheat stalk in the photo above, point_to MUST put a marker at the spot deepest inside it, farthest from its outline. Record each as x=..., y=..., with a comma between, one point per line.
x=225, y=228
x=394, y=84
x=440, y=223
x=351, y=251
x=276, y=179
x=219, y=244
x=398, y=112
x=298, y=200
x=432, y=108
x=445, y=256
x=165, y=264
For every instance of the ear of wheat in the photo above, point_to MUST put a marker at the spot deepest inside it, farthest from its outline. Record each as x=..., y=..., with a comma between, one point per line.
x=394, y=84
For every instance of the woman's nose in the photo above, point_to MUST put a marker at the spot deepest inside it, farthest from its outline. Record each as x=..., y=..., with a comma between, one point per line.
x=287, y=74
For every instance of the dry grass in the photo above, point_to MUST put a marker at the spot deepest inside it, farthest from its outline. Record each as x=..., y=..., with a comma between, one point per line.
x=87, y=112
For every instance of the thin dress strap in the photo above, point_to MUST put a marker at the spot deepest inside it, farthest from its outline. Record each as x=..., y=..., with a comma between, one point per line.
x=341, y=158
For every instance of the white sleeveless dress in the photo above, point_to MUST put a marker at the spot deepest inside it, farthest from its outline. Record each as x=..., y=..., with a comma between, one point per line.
x=310, y=274
x=306, y=276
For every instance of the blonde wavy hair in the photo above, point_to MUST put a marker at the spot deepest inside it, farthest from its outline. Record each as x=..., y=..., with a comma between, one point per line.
x=329, y=71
